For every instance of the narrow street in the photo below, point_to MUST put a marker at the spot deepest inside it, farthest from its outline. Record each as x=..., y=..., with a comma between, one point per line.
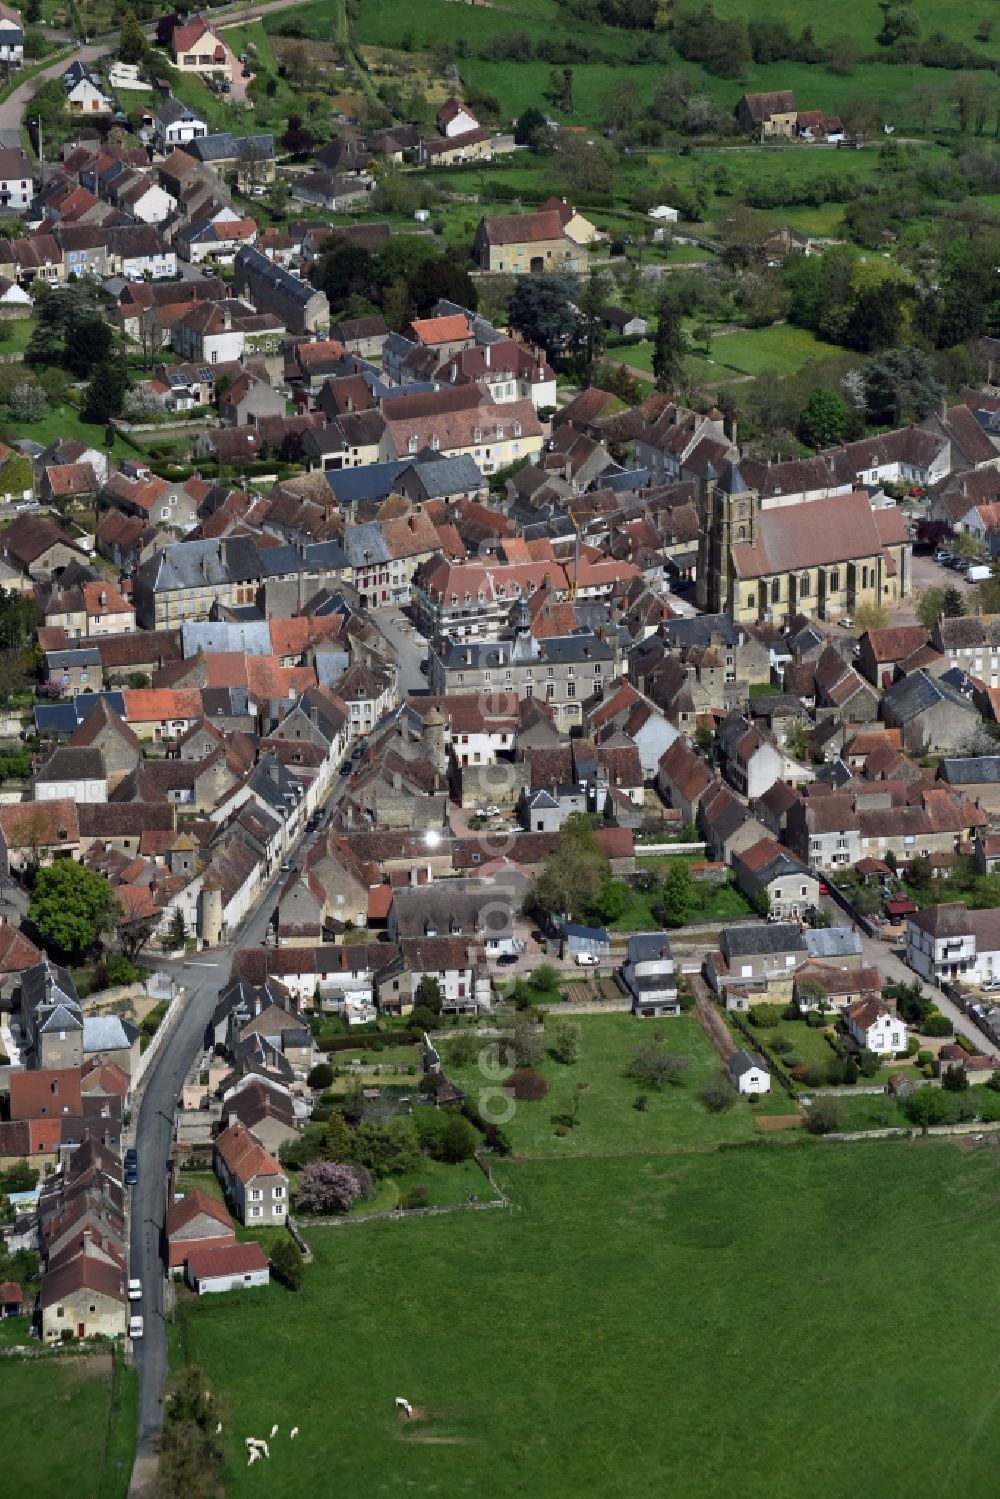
x=202, y=976
x=409, y=645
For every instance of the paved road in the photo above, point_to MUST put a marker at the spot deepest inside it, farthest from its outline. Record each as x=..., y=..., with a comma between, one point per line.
x=410, y=649
x=202, y=978
x=887, y=960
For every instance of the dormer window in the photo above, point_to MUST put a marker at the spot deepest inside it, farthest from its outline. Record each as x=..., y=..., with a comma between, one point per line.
x=499, y=434
x=477, y=435
x=517, y=429
x=413, y=443
x=435, y=442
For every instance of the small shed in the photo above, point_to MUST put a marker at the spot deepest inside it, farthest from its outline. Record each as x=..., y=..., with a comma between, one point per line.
x=749, y=1073
x=899, y=907
x=899, y=1085
x=11, y=1299
x=231, y=1267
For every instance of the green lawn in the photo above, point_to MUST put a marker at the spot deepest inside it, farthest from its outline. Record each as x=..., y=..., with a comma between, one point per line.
x=782, y=349
x=65, y=1429
x=810, y=1043
x=525, y=1340
x=608, y=1122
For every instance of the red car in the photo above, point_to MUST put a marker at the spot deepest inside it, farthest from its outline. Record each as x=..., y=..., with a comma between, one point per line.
x=824, y=888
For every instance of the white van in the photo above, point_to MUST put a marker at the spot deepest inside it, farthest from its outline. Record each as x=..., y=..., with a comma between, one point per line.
x=135, y=1326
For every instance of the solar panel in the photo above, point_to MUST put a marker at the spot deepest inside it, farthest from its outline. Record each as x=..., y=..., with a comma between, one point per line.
x=204, y=373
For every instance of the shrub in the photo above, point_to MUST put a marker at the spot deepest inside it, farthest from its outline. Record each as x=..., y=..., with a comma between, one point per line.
x=824, y=1116
x=717, y=1095
x=321, y=1076
x=818, y=1021
x=417, y=1196
x=780, y=1045
x=791, y=1059
x=815, y=1075
x=764, y=1016
x=560, y=1130
x=869, y=1063
x=286, y=1262
x=924, y=1058
x=641, y=1103
x=835, y=1072
x=527, y=1085
x=937, y=1025
x=463, y=1050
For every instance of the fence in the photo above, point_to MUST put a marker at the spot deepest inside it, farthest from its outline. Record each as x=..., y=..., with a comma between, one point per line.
x=756, y=1045
x=152, y=1050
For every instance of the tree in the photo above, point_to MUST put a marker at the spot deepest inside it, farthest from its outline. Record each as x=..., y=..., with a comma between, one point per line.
x=106, y=392
x=824, y=1116
x=191, y=1457
x=87, y=346
x=871, y=616
x=572, y=876
x=823, y=420
x=529, y=127
x=386, y=1149
x=677, y=894
x=527, y=1042
x=718, y=1094
x=71, y=906
x=133, y=935
x=542, y=308
x=928, y=1106
x=177, y=931
x=952, y=603
x=286, y=1262
x=327, y=1187
x=591, y=301
x=955, y=1079
x=458, y=1140
x=930, y=606
x=668, y=347
x=27, y=402
x=565, y=1042
x=654, y=1065
x=320, y=1076
x=339, y=1139
x=429, y=994
x=131, y=42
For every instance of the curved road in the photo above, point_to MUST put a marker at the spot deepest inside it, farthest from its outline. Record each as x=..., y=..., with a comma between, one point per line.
x=203, y=977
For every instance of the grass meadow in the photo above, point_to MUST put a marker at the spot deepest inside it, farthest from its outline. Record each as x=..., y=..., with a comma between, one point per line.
x=752, y=1322
x=609, y=1123
x=65, y=1427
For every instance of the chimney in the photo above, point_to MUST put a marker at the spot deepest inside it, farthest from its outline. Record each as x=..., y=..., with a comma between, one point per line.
x=489, y=356
x=943, y=408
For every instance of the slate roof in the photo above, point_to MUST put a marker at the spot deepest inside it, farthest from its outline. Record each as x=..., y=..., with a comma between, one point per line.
x=764, y=937
x=918, y=693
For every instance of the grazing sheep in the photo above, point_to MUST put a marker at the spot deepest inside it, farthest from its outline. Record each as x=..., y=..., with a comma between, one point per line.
x=404, y=1405
x=274, y=1432
x=218, y=1429
x=294, y=1433
x=254, y=1455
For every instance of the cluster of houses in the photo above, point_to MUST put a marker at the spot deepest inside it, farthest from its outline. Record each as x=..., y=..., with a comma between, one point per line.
x=776, y=116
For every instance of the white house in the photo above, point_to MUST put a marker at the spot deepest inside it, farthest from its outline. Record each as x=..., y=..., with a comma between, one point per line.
x=227, y=1267
x=874, y=1026
x=84, y=95
x=664, y=214
x=16, y=186
x=454, y=119
x=175, y=125
x=748, y=1073
x=149, y=202
x=950, y=942
x=74, y=771
x=11, y=37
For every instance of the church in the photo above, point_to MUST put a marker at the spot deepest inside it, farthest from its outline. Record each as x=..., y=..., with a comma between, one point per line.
x=822, y=557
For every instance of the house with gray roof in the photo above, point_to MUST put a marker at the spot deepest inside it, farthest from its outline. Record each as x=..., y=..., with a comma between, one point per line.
x=272, y=288
x=183, y=581
x=648, y=975
x=112, y=1039
x=835, y=945
x=931, y=715
x=51, y=1016
x=978, y=778
x=443, y=478
x=249, y=637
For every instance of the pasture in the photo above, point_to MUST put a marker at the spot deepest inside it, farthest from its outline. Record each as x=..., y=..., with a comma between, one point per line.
x=754, y=1297
x=68, y=1422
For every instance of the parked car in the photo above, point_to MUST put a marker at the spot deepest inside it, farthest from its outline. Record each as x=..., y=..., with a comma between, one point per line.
x=990, y=986
x=586, y=960
x=135, y=1290
x=824, y=888
x=425, y=667
x=506, y=959
x=847, y=622
x=135, y=1327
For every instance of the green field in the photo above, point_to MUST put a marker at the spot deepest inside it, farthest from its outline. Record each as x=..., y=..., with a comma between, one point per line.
x=64, y=1427
x=609, y=1123
x=752, y=1323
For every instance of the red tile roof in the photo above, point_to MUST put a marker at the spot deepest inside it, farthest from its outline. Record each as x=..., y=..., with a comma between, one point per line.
x=232, y=1259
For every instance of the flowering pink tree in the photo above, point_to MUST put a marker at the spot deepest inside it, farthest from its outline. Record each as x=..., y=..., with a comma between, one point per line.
x=326, y=1187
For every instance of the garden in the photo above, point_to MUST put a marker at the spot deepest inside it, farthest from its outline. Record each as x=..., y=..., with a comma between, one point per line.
x=73, y=1416
x=521, y=1338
